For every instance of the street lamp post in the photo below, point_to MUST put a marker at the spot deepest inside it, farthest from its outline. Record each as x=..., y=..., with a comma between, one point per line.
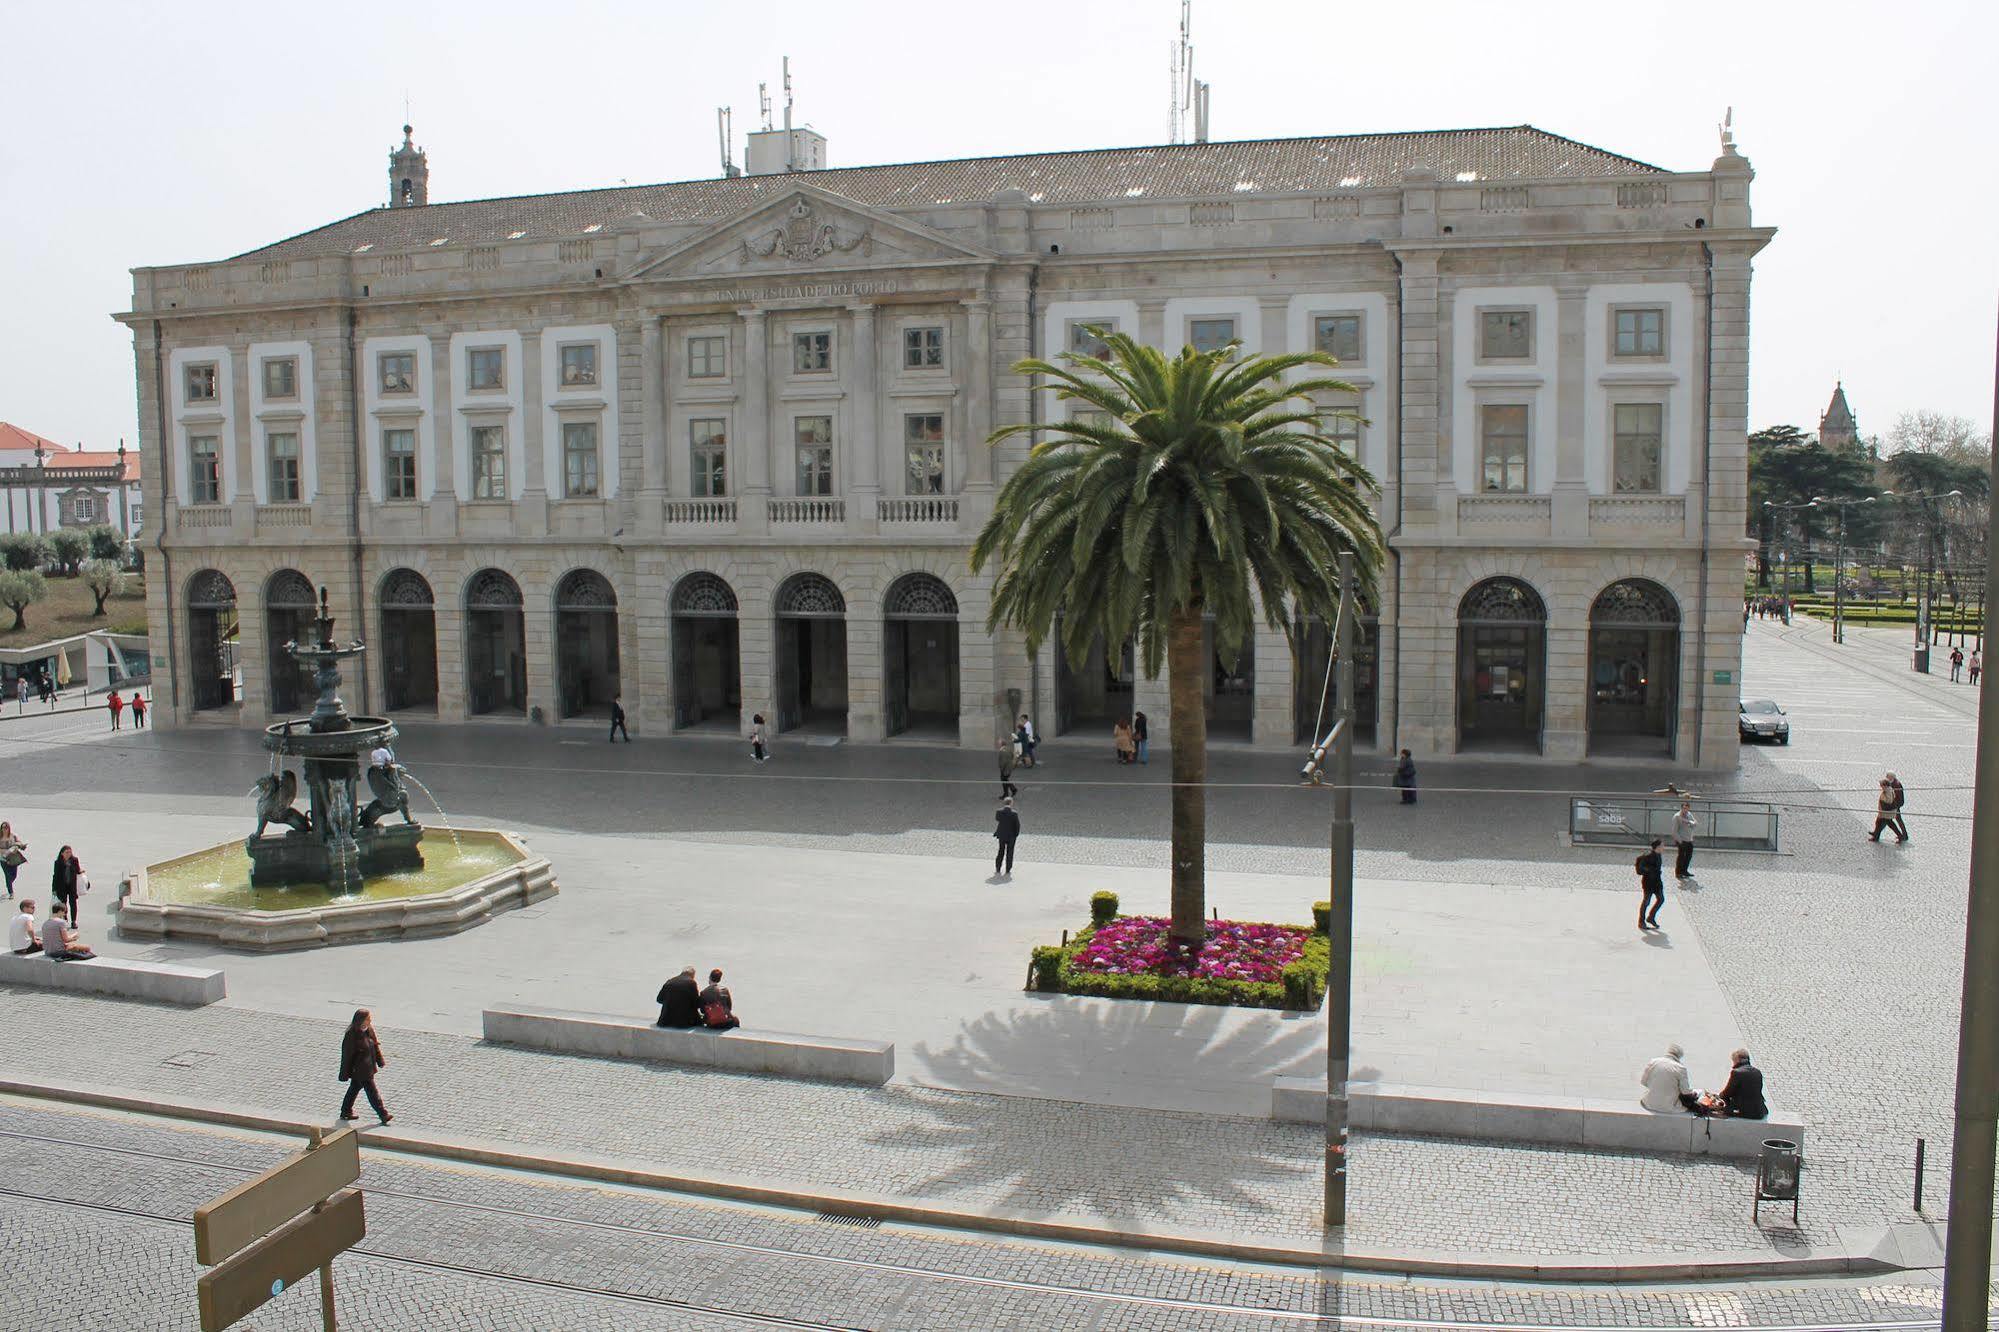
x=1839, y=559
x=1924, y=590
x=1784, y=556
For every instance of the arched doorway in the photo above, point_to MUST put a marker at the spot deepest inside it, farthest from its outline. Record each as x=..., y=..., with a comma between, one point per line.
x=707, y=655
x=211, y=639
x=1229, y=692
x=409, y=641
x=1502, y=666
x=586, y=644
x=1634, y=669
x=920, y=653
x=1314, y=691
x=289, y=610
x=811, y=655
x=496, y=655
x=1093, y=689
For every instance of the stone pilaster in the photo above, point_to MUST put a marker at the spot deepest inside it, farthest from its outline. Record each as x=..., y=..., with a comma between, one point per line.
x=1272, y=725
x=756, y=645
x=976, y=499
x=1426, y=468
x=1569, y=498
x=652, y=432
x=753, y=447
x=866, y=721
x=865, y=466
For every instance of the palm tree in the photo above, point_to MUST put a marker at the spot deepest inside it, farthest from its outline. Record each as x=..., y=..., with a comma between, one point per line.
x=1206, y=483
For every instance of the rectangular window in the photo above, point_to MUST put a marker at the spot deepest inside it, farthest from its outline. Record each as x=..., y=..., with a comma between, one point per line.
x=399, y=464
x=1638, y=430
x=486, y=369
x=922, y=348
x=812, y=353
x=1640, y=332
x=1094, y=417
x=84, y=508
x=201, y=382
x=1344, y=429
x=923, y=441
x=579, y=365
x=1338, y=336
x=398, y=372
x=489, y=462
x=707, y=357
x=1085, y=343
x=1502, y=430
x=281, y=378
x=1505, y=335
x=204, y=470
x=1210, y=334
x=579, y=459
x=708, y=443
x=282, y=445
x=814, y=435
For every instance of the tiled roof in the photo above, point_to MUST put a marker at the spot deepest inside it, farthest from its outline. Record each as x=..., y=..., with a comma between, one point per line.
x=13, y=437
x=97, y=458
x=1227, y=170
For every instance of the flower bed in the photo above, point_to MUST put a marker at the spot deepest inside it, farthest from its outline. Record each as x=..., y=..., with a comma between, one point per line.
x=1249, y=964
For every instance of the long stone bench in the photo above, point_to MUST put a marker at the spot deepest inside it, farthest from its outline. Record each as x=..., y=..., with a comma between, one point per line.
x=1566, y=1121
x=742, y=1050
x=162, y=982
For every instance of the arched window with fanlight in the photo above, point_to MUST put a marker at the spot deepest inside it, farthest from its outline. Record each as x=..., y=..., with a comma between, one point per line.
x=1634, y=669
x=1502, y=666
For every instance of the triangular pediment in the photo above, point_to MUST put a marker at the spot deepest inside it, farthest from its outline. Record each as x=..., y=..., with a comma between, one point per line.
x=805, y=230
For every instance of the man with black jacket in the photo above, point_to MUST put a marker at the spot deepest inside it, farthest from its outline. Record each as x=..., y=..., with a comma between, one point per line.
x=1006, y=827
x=680, y=1001
x=1742, y=1095
x=1651, y=877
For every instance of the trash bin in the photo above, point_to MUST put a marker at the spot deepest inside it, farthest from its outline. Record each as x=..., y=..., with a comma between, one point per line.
x=1923, y=660
x=1777, y=1172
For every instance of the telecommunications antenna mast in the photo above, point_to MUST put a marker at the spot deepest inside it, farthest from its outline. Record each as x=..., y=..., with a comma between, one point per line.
x=724, y=123
x=1181, y=71
x=763, y=105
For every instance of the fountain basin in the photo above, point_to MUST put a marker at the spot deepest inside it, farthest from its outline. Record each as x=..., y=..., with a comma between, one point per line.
x=469, y=876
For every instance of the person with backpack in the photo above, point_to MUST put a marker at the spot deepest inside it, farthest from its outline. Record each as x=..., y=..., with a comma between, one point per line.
x=1651, y=869
x=1956, y=663
x=718, y=1006
x=1888, y=811
x=117, y=706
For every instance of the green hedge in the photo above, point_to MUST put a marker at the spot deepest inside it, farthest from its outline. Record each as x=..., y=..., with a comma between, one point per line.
x=1103, y=908
x=1301, y=987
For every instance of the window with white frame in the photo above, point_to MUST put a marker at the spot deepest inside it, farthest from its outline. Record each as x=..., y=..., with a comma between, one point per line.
x=397, y=371
x=578, y=367
x=1342, y=425
x=485, y=369
x=1505, y=335
x=1637, y=440
x=489, y=462
x=814, y=440
x=399, y=463
x=1502, y=447
x=200, y=381
x=923, y=348
x=1638, y=331
x=707, y=357
x=280, y=378
x=204, y=467
x=708, y=447
x=1084, y=342
x=812, y=353
x=1209, y=335
x=579, y=459
x=923, y=443
x=282, y=446
x=138, y=516
x=83, y=508
x=1338, y=336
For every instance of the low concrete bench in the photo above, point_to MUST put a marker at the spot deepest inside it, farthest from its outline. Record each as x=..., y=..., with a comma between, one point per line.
x=1566, y=1121
x=161, y=982
x=742, y=1050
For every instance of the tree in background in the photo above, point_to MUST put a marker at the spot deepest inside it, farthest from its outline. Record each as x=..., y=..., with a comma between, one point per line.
x=1951, y=437
x=24, y=552
x=105, y=580
x=71, y=546
x=20, y=589
x=1787, y=466
x=106, y=542
x=1948, y=533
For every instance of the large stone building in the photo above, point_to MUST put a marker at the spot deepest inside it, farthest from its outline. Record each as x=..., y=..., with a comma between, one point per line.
x=717, y=446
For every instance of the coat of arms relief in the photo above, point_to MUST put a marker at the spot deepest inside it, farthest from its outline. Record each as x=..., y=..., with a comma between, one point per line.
x=803, y=238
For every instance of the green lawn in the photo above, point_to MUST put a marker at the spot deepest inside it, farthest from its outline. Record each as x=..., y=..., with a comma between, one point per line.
x=67, y=612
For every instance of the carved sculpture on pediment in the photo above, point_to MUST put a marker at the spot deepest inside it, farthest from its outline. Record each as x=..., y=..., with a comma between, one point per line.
x=803, y=238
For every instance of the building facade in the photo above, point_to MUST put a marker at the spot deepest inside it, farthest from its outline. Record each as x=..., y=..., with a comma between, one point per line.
x=717, y=447
x=46, y=486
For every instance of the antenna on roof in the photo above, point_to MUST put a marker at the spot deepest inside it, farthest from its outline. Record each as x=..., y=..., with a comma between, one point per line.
x=1200, y=111
x=724, y=123
x=790, y=152
x=1181, y=72
x=763, y=104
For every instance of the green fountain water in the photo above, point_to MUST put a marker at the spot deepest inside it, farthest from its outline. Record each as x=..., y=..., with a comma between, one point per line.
x=220, y=876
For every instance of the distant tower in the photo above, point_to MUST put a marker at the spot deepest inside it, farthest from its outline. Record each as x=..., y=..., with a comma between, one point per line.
x=409, y=175
x=1837, y=428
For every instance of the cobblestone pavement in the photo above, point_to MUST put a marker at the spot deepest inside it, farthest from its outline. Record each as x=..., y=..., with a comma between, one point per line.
x=1840, y=958
x=451, y=1247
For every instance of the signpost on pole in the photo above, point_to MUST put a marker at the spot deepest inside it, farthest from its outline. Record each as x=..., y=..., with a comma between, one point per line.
x=264, y=1235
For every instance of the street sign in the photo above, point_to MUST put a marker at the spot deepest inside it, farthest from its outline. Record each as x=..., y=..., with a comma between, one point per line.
x=1724, y=677
x=253, y=1209
x=233, y=1289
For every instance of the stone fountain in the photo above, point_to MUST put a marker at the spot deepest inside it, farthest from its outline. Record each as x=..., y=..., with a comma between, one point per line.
x=340, y=842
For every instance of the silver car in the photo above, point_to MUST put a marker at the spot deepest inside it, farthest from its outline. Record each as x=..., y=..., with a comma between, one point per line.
x=1762, y=719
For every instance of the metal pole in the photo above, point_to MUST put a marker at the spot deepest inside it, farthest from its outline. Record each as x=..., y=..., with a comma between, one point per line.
x=313, y=1138
x=1339, y=981
x=1968, y=1249
x=1838, y=558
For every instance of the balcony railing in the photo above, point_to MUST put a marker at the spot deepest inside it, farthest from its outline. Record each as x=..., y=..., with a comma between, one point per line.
x=918, y=509
x=816, y=509
x=1638, y=511
x=205, y=515
x=285, y=515
x=1496, y=510
x=700, y=512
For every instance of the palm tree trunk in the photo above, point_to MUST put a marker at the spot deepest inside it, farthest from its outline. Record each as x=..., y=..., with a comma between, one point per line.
x=1187, y=728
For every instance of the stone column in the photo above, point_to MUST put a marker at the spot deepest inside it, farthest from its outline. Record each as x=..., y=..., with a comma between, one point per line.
x=863, y=501
x=976, y=503
x=753, y=446
x=1724, y=490
x=449, y=613
x=1272, y=724
x=1151, y=332
x=1565, y=715
x=1569, y=500
x=756, y=646
x=653, y=429
x=865, y=720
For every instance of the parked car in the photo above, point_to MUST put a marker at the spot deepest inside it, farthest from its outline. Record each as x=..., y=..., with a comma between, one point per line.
x=1762, y=719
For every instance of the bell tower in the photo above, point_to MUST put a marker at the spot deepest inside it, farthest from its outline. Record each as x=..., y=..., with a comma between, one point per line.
x=409, y=175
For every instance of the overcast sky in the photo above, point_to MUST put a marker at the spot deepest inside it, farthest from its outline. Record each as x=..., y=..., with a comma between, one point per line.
x=156, y=134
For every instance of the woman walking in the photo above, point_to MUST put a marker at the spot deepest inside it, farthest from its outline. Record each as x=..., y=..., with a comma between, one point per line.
x=360, y=1059
x=1007, y=758
x=13, y=855
x=66, y=880
x=1121, y=741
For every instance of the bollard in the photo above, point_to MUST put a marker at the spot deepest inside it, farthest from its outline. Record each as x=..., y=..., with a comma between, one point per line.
x=1065, y=938
x=1920, y=1145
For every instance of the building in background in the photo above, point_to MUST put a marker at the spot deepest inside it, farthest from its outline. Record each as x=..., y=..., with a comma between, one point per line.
x=46, y=486
x=1838, y=430
x=717, y=446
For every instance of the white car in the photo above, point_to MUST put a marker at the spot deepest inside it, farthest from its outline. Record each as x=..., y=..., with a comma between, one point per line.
x=1762, y=719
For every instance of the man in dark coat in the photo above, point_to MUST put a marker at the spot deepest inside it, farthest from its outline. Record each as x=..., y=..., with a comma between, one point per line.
x=1006, y=827
x=1651, y=869
x=1742, y=1095
x=618, y=721
x=680, y=1001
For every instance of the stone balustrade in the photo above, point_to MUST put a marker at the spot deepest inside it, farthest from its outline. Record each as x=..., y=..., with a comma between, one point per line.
x=810, y=509
x=700, y=512
x=919, y=509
